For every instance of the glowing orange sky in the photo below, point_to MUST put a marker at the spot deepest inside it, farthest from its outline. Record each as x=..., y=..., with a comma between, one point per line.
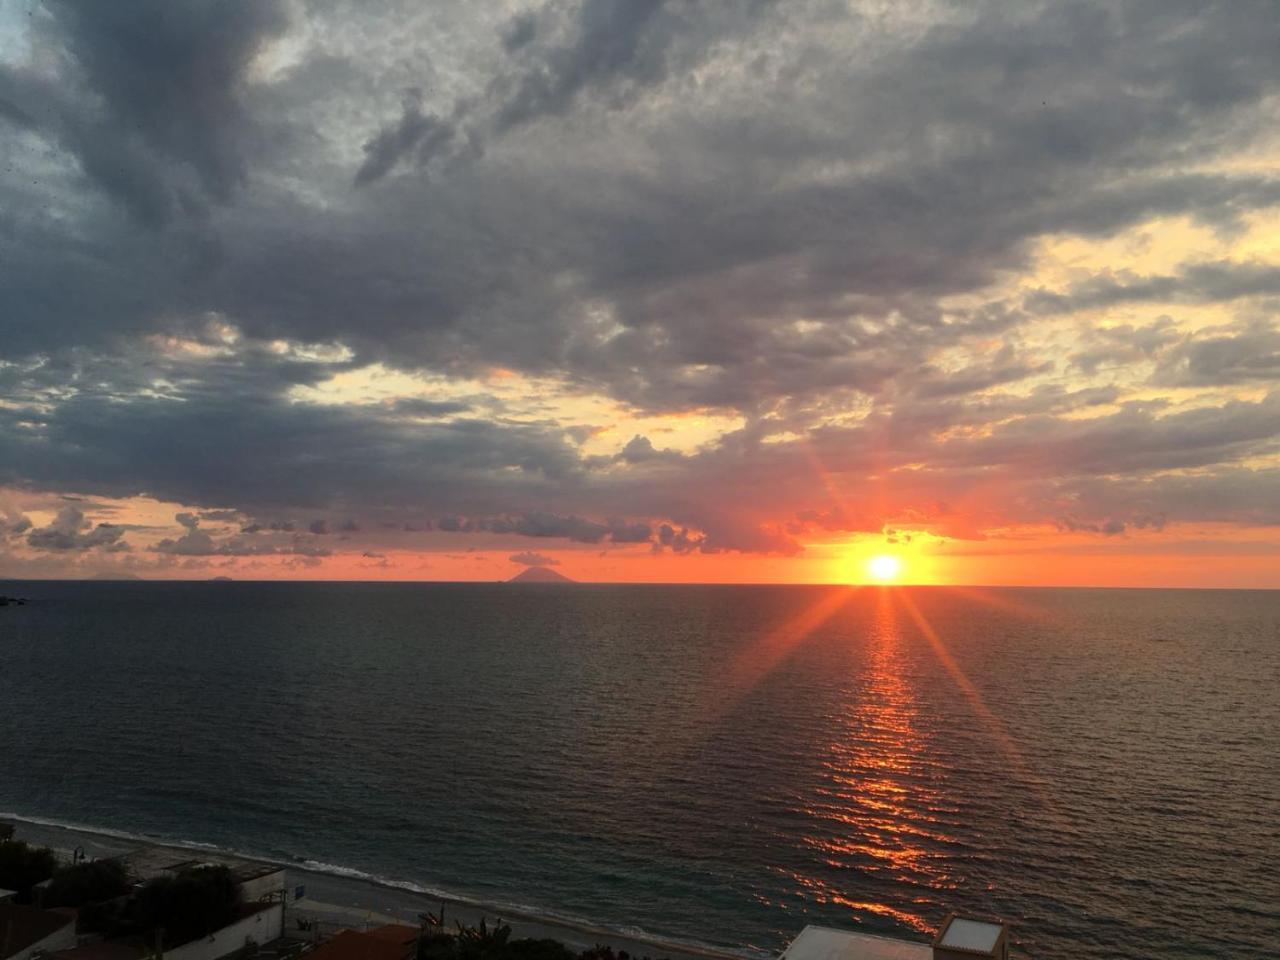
x=1205, y=556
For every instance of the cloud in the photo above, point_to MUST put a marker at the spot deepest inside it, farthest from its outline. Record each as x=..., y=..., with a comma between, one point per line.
x=1003, y=368
x=1198, y=283
x=220, y=516
x=13, y=523
x=199, y=543
x=641, y=449
x=1125, y=344
x=167, y=85
x=1247, y=353
x=1108, y=528
x=623, y=531
x=414, y=132
x=529, y=558
x=418, y=407
x=70, y=530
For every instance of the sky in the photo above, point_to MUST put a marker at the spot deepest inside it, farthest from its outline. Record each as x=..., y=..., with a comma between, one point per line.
x=641, y=290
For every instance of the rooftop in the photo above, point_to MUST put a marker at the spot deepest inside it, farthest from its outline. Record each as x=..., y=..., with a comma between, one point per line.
x=825, y=943
x=22, y=926
x=147, y=862
x=976, y=936
x=400, y=933
x=103, y=950
x=351, y=945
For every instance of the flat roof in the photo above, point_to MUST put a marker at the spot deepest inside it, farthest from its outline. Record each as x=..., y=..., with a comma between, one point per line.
x=147, y=862
x=825, y=943
x=103, y=950
x=396, y=932
x=976, y=935
x=22, y=926
x=353, y=945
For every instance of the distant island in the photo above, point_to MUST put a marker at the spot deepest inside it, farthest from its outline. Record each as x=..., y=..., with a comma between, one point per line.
x=540, y=575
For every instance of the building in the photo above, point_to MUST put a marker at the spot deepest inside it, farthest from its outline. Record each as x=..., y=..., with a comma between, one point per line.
x=257, y=881
x=26, y=932
x=261, y=923
x=958, y=938
x=261, y=887
x=392, y=942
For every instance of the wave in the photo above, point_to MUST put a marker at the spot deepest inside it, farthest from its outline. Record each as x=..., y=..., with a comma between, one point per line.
x=511, y=910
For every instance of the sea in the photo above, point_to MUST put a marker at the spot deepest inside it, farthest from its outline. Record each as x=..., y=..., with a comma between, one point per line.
x=715, y=765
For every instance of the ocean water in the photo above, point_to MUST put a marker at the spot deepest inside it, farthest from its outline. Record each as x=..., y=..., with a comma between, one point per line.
x=713, y=764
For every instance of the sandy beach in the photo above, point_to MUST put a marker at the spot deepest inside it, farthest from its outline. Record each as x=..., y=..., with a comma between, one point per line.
x=331, y=903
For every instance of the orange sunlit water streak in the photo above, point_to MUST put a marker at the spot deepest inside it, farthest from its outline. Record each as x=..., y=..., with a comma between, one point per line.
x=882, y=813
x=879, y=809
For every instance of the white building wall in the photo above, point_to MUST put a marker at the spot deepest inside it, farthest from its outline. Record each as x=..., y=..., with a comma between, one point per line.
x=262, y=927
x=251, y=891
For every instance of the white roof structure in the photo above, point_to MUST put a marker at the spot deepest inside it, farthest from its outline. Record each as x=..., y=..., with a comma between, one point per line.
x=824, y=943
x=975, y=935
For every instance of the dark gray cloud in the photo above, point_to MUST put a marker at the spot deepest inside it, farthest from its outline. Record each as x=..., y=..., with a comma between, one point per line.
x=165, y=127
x=1005, y=367
x=418, y=407
x=612, y=42
x=1249, y=353
x=415, y=132
x=1124, y=344
x=196, y=542
x=1108, y=528
x=702, y=261
x=530, y=558
x=71, y=531
x=1198, y=283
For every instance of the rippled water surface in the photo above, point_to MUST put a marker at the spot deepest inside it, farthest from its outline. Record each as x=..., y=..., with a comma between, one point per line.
x=718, y=764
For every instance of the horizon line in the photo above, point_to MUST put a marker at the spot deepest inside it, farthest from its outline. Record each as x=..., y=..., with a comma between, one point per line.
x=641, y=583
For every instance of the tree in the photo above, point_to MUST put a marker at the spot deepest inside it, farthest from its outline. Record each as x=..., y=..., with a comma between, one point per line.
x=22, y=866
x=193, y=903
x=85, y=883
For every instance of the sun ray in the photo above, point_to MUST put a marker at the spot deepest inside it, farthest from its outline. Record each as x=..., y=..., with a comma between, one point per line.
x=994, y=725
x=763, y=656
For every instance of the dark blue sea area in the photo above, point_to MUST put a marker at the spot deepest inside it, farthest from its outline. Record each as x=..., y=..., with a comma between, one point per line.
x=712, y=764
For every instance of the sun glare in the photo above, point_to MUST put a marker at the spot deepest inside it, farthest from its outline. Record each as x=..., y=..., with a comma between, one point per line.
x=884, y=567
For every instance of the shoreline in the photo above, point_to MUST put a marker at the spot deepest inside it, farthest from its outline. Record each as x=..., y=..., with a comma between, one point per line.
x=358, y=899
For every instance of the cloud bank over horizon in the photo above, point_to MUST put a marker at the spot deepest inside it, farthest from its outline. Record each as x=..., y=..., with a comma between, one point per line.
x=306, y=285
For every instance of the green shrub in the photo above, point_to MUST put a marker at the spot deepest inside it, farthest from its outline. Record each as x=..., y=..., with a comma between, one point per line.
x=22, y=866
x=86, y=883
x=482, y=942
x=545, y=949
x=193, y=903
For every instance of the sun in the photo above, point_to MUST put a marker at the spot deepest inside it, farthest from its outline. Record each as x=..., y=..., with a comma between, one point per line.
x=884, y=567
